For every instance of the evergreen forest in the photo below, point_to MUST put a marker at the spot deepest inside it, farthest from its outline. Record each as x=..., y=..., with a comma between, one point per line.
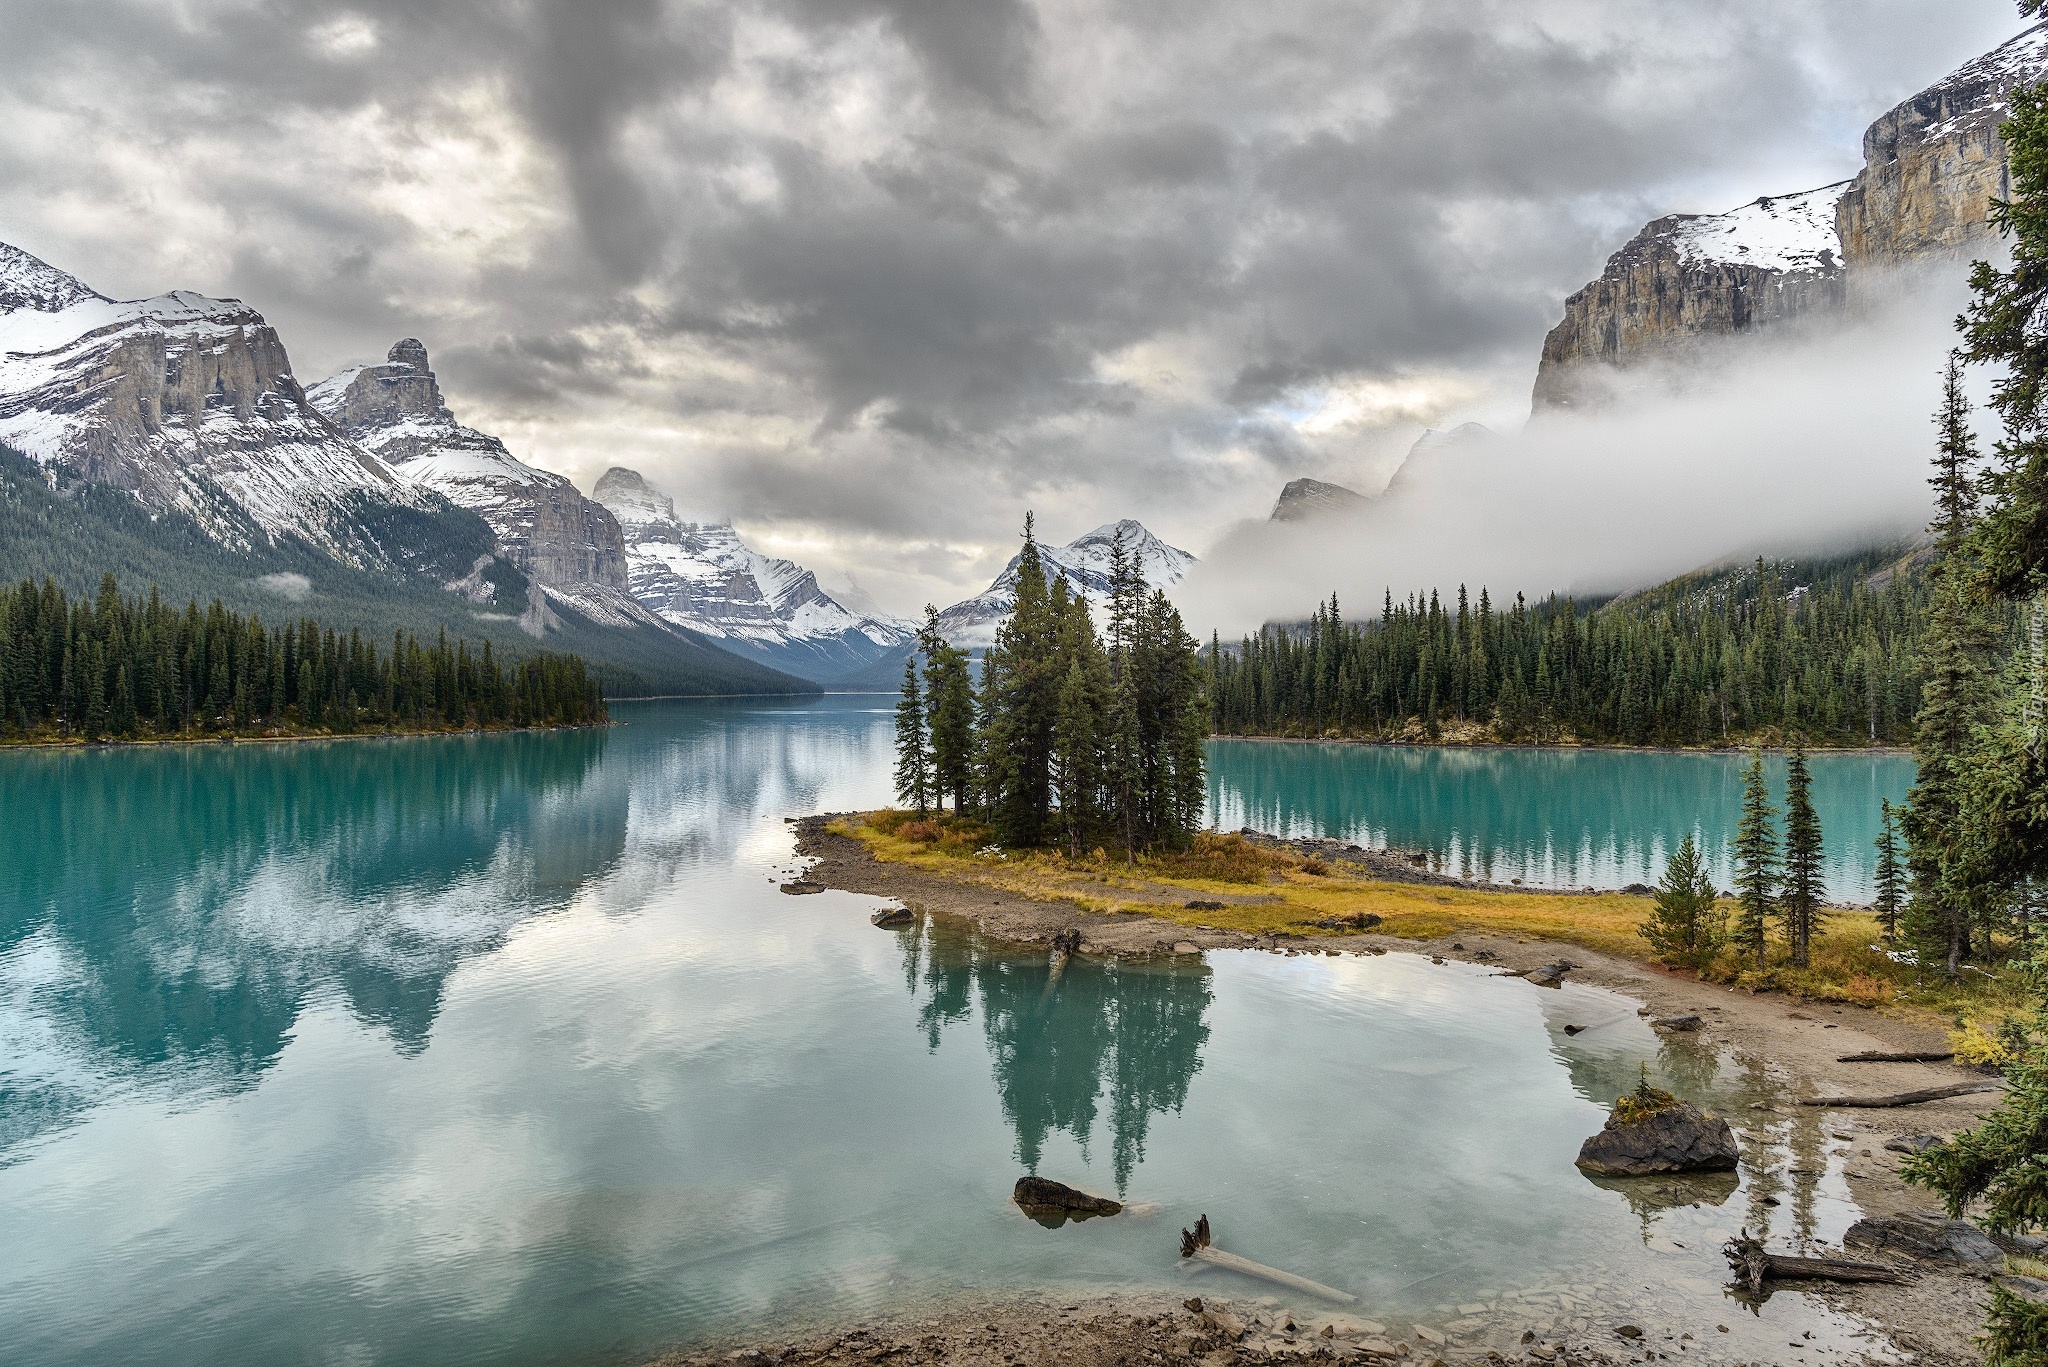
x=1073, y=738
x=118, y=668
x=1827, y=652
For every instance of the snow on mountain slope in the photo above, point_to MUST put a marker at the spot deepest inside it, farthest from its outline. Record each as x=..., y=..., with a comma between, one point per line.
x=1777, y=232
x=697, y=573
x=189, y=402
x=1084, y=562
x=570, y=545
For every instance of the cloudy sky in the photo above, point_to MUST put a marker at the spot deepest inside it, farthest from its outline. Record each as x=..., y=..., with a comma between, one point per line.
x=875, y=276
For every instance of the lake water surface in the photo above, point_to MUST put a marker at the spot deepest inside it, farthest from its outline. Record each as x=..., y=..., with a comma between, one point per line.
x=507, y=1049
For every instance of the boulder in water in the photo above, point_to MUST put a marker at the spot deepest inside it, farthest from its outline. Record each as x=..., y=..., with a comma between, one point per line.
x=1679, y=1138
x=1052, y=1203
x=890, y=917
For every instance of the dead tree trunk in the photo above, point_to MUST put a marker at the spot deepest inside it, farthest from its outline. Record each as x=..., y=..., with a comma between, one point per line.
x=1194, y=1243
x=1901, y=1098
x=1753, y=1266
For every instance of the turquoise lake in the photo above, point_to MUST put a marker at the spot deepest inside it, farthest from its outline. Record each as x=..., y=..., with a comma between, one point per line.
x=508, y=1050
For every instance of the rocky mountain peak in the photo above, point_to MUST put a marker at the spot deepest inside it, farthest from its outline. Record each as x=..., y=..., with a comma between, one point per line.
x=633, y=501
x=29, y=282
x=409, y=351
x=1302, y=499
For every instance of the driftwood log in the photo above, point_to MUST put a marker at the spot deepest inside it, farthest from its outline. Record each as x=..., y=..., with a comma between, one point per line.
x=1753, y=1266
x=1871, y=1103
x=1879, y=1056
x=1194, y=1243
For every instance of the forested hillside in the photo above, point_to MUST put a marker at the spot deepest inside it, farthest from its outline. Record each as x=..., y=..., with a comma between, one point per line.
x=1824, y=650
x=140, y=668
x=74, y=530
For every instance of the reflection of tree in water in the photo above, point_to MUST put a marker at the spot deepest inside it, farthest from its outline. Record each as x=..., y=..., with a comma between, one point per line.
x=1139, y=1022
x=192, y=898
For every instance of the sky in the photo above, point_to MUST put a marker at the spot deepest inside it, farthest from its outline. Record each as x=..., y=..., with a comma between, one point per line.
x=874, y=277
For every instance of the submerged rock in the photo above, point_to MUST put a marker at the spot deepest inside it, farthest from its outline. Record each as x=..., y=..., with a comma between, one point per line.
x=1678, y=1023
x=1550, y=975
x=1680, y=1138
x=1929, y=1237
x=801, y=886
x=1052, y=1203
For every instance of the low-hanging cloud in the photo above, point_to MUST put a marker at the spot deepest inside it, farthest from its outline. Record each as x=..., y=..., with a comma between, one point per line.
x=1799, y=444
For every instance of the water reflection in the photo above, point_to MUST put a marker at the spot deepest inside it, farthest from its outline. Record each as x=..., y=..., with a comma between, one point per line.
x=1561, y=818
x=166, y=915
x=1054, y=1040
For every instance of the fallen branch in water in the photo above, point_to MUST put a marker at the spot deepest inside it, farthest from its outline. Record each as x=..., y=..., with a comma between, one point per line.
x=1871, y=1103
x=1878, y=1056
x=1753, y=1266
x=1194, y=1243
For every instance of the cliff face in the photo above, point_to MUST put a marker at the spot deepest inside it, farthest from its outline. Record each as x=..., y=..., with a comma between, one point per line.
x=1694, y=276
x=190, y=403
x=566, y=542
x=1932, y=167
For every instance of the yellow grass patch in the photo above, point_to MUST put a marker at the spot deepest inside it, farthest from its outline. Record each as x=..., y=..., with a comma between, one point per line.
x=1848, y=963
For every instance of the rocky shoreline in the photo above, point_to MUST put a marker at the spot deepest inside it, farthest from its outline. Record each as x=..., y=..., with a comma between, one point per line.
x=1929, y=1317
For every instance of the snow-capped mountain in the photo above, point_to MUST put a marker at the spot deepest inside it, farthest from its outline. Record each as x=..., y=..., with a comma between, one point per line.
x=190, y=402
x=1084, y=562
x=695, y=571
x=569, y=544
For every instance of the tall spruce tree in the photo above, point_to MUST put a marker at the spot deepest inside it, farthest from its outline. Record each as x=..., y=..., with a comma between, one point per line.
x=1890, y=880
x=1799, y=903
x=1755, y=855
x=1944, y=861
x=913, y=757
x=948, y=714
x=2003, y=1161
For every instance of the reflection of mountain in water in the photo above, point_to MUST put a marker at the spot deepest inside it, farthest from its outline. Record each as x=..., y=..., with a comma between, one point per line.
x=1138, y=1022
x=167, y=915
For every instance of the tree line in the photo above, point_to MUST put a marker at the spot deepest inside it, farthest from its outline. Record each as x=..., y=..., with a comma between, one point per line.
x=1707, y=663
x=1073, y=737
x=114, y=667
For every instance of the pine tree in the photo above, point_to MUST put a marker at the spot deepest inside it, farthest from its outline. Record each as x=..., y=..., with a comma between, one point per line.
x=1891, y=883
x=1944, y=863
x=913, y=758
x=1800, y=901
x=1755, y=855
x=1685, y=926
x=948, y=714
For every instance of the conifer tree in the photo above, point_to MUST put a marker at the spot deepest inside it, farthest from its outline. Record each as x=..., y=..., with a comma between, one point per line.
x=913, y=758
x=948, y=714
x=1800, y=901
x=1944, y=862
x=1685, y=926
x=1890, y=880
x=1755, y=854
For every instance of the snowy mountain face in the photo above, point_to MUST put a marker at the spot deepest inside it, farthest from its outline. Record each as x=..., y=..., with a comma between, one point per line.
x=568, y=544
x=1084, y=562
x=697, y=573
x=1782, y=233
x=190, y=403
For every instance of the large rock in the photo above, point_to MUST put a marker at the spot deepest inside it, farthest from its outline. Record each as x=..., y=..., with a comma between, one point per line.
x=1052, y=1203
x=1929, y=1237
x=1680, y=1138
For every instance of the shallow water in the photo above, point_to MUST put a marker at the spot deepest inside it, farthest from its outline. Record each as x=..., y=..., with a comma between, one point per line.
x=507, y=1049
x=1551, y=817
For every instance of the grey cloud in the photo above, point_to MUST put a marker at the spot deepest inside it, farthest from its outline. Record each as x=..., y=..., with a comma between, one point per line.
x=886, y=270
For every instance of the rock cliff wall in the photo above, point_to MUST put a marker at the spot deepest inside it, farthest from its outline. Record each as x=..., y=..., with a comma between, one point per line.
x=546, y=526
x=1932, y=167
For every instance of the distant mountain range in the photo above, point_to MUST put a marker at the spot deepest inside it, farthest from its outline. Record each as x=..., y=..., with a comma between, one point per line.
x=166, y=440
